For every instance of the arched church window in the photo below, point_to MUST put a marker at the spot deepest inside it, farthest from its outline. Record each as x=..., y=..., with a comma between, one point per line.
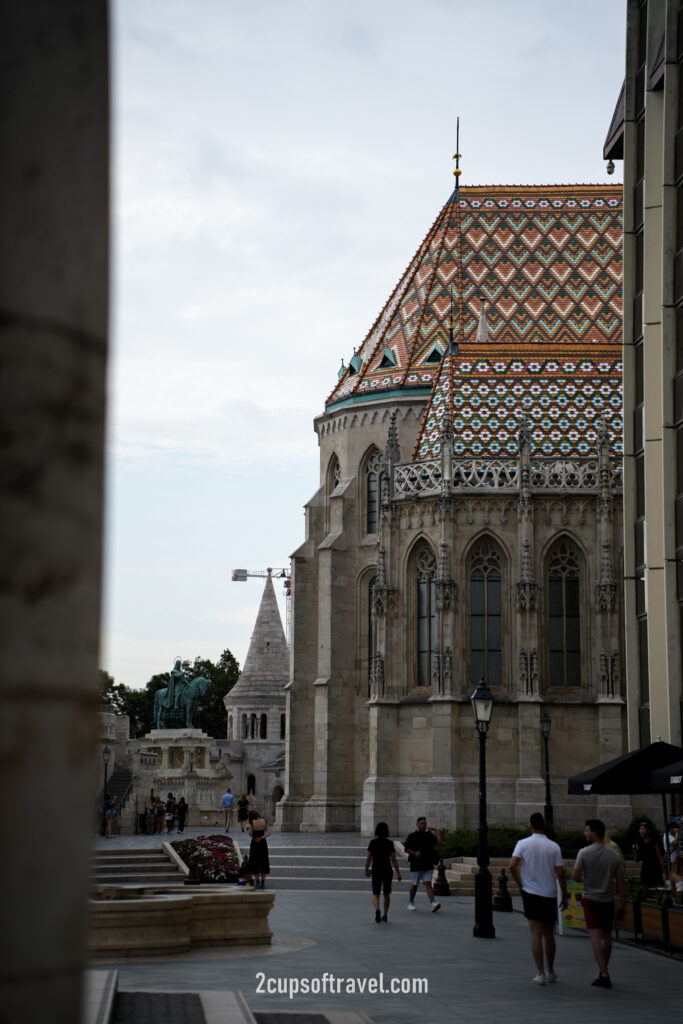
x=263, y=727
x=245, y=727
x=486, y=633
x=426, y=615
x=229, y=727
x=564, y=616
x=251, y=785
x=252, y=727
x=283, y=724
x=375, y=488
x=333, y=474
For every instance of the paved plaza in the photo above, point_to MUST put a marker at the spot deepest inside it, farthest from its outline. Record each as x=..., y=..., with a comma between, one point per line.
x=318, y=933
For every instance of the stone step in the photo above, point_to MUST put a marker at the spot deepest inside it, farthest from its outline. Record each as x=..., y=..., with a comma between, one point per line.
x=137, y=877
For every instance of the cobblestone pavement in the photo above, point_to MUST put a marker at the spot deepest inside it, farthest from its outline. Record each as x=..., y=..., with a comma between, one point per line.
x=468, y=979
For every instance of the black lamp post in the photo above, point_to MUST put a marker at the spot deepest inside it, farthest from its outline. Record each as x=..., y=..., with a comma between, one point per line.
x=482, y=706
x=545, y=733
x=106, y=754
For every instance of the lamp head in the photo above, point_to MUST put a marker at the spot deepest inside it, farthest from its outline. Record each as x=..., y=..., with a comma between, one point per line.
x=482, y=706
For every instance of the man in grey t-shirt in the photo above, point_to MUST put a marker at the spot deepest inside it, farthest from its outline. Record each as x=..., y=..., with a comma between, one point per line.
x=600, y=869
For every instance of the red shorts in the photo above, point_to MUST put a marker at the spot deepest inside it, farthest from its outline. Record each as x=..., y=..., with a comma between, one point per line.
x=598, y=915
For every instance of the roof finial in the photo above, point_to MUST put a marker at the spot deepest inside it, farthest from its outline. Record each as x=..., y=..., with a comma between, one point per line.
x=456, y=156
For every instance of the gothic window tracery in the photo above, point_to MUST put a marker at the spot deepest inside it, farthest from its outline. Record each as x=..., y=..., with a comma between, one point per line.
x=486, y=625
x=375, y=483
x=425, y=566
x=564, y=615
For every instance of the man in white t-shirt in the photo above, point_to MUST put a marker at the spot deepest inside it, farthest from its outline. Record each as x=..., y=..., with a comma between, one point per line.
x=536, y=863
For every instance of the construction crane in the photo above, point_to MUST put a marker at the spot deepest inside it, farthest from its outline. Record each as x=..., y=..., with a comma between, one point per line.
x=242, y=575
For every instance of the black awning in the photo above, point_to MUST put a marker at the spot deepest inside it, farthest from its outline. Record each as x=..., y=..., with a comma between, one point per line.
x=668, y=779
x=628, y=774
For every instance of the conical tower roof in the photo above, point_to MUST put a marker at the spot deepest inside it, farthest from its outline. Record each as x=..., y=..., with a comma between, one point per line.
x=266, y=668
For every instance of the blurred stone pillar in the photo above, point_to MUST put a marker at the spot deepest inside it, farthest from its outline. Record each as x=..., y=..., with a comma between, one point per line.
x=54, y=241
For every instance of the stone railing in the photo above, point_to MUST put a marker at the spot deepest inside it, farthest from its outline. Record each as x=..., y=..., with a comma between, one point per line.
x=573, y=475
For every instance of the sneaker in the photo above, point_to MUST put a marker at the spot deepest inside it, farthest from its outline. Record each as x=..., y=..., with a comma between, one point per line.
x=384, y=917
x=550, y=977
x=539, y=979
x=411, y=906
x=435, y=906
x=601, y=982
x=378, y=916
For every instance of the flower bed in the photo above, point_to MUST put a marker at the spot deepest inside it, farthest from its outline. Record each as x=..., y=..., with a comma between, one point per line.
x=214, y=858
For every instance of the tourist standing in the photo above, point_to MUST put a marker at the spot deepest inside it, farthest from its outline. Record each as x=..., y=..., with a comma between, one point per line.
x=259, y=862
x=170, y=813
x=181, y=813
x=159, y=816
x=381, y=855
x=648, y=852
x=601, y=870
x=536, y=863
x=421, y=849
x=228, y=804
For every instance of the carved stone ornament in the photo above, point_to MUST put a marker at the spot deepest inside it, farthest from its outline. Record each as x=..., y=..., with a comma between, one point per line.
x=445, y=594
x=606, y=596
x=526, y=595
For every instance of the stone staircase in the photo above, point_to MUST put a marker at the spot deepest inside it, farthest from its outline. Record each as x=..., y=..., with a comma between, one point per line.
x=105, y=1004
x=133, y=867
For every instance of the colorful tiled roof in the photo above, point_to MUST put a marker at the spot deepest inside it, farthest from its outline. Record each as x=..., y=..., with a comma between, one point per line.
x=545, y=261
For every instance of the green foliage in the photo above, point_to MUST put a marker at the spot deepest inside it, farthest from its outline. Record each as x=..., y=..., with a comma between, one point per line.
x=462, y=842
x=139, y=704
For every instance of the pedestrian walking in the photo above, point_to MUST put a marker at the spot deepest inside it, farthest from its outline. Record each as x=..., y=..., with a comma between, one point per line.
x=381, y=855
x=601, y=871
x=228, y=805
x=243, y=811
x=420, y=847
x=535, y=865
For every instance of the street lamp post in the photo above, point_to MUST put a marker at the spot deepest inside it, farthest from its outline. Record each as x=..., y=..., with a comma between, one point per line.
x=545, y=733
x=106, y=754
x=482, y=706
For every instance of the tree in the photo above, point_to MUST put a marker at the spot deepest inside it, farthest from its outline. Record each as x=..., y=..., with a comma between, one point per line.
x=211, y=716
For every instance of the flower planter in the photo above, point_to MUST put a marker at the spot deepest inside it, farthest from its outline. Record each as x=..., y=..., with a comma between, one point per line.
x=649, y=923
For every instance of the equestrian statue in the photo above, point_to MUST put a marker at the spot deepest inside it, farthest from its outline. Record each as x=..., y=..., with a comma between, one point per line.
x=179, y=699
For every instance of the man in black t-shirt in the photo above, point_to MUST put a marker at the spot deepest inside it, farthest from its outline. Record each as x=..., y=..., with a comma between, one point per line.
x=422, y=856
x=381, y=855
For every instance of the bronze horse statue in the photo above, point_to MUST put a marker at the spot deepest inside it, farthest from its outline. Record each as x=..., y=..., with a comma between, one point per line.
x=186, y=698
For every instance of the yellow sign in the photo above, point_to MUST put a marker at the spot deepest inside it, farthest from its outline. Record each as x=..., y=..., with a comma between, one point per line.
x=573, y=917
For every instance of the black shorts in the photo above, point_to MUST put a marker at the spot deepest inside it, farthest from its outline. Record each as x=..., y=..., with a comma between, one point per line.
x=539, y=908
x=379, y=882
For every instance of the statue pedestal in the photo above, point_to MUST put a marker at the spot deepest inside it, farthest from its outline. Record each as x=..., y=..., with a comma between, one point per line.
x=179, y=761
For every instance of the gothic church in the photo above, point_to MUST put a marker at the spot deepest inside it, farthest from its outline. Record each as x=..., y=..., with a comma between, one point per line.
x=468, y=524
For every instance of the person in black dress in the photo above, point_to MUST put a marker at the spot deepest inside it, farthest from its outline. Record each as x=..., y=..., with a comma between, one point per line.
x=243, y=810
x=381, y=855
x=648, y=852
x=259, y=863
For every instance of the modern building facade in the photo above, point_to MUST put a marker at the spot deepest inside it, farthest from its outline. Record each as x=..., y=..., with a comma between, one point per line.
x=468, y=524
x=647, y=133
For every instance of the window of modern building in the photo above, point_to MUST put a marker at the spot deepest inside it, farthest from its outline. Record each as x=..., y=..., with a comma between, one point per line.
x=426, y=615
x=486, y=632
x=564, y=616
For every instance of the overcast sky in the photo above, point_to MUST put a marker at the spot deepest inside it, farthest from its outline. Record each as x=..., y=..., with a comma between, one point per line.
x=276, y=163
